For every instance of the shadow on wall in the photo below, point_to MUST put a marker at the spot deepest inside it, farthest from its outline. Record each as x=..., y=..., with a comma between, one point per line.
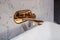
x=57, y=11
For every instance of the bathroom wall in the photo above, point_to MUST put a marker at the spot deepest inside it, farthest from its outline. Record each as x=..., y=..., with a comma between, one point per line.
x=42, y=8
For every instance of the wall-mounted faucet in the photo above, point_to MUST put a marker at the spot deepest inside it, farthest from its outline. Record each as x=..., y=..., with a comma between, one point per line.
x=26, y=15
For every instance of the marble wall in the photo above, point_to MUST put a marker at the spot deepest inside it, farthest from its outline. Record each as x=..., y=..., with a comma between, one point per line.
x=42, y=8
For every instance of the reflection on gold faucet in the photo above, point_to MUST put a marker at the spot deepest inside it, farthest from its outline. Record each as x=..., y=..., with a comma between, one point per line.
x=23, y=15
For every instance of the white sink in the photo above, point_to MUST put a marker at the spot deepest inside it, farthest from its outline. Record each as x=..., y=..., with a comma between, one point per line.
x=46, y=31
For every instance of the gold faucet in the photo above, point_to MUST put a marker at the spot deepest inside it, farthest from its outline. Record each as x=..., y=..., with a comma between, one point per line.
x=26, y=15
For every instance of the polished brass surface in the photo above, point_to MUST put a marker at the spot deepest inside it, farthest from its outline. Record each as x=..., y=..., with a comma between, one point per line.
x=23, y=15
